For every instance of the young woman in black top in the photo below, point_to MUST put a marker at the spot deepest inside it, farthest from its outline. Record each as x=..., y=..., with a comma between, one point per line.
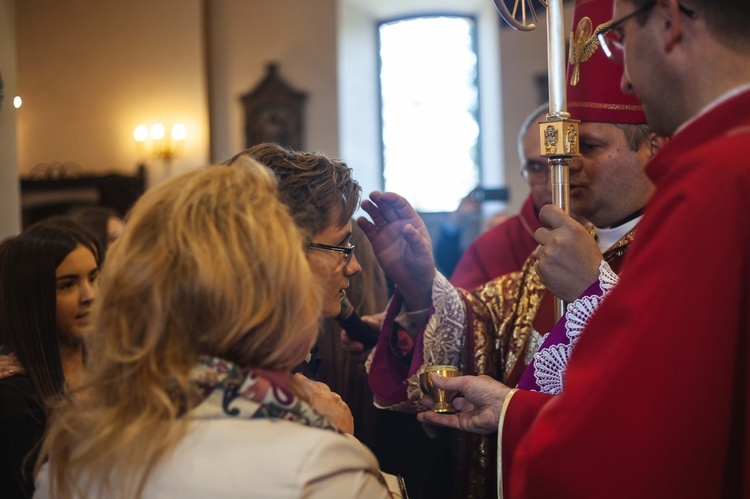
x=48, y=286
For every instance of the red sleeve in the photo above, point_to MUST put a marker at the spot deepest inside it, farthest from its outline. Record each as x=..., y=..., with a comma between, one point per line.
x=397, y=357
x=469, y=272
x=519, y=414
x=656, y=396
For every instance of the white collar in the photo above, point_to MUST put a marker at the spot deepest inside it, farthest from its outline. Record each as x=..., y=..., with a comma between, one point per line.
x=606, y=238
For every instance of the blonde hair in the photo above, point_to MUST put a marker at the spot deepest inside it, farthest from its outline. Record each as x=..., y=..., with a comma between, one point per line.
x=209, y=263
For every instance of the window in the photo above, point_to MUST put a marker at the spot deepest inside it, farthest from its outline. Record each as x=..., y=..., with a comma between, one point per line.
x=429, y=109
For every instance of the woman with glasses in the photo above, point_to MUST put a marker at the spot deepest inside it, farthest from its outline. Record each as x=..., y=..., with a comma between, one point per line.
x=322, y=197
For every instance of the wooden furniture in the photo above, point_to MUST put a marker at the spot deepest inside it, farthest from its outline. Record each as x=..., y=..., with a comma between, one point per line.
x=44, y=197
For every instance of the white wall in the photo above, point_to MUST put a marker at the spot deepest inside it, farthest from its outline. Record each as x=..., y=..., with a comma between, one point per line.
x=10, y=211
x=359, y=130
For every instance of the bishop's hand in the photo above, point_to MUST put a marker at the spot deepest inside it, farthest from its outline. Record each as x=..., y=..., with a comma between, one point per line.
x=479, y=401
x=567, y=257
x=402, y=246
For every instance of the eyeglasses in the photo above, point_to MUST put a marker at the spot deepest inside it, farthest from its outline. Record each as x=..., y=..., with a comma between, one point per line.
x=346, y=250
x=537, y=169
x=612, y=39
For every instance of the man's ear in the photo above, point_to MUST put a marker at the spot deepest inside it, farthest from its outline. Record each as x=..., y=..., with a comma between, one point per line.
x=670, y=22
x=656, y=142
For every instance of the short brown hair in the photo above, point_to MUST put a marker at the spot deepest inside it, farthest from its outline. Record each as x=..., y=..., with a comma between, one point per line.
x=313, y=186
x=635, y=134
x=727, y=20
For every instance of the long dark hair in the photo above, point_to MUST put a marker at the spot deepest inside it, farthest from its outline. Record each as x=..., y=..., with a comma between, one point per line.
x=29, y=298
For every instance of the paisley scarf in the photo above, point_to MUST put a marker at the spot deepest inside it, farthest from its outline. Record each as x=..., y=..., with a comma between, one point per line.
x=224, y=390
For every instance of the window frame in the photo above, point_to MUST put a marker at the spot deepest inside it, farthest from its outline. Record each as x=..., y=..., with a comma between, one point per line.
x=477, y=79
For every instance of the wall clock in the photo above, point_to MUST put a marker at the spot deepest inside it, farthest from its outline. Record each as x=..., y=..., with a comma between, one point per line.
x=274, y=112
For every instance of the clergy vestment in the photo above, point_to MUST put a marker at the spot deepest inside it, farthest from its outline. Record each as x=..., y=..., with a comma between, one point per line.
x=493, y=330
x=656, y=395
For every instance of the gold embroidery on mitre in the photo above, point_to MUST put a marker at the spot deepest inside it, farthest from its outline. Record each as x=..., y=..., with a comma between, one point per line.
x=583, y=44
x=600, y=105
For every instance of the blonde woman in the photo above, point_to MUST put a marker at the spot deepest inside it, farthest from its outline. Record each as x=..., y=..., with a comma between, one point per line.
x=206, y=302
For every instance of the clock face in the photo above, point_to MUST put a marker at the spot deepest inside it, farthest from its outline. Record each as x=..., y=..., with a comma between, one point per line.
x=275, y=124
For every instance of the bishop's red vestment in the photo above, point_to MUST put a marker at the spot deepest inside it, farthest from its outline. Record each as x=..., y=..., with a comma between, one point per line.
x=656, y=394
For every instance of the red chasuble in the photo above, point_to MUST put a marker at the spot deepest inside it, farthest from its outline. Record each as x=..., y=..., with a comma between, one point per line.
x=656, y=396
x=499, y=251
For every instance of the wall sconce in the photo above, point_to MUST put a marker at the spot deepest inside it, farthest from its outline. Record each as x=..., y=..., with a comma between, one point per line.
x=154, y=143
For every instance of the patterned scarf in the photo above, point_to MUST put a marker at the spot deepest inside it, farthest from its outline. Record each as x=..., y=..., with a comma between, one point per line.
x=227, y=390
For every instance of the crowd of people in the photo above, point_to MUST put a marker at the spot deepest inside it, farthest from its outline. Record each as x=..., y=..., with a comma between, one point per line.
x=190, y=348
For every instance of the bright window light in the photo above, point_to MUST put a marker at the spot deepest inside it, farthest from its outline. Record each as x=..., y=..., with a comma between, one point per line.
x=430, y=100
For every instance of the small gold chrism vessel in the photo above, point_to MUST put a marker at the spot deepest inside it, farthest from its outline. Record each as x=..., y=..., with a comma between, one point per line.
x=441, y=397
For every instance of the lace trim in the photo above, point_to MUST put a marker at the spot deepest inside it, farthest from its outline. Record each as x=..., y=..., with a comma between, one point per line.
x=550, y=364
x=442, y=341
x=444, y=332
x=549, y=368
x=578, y=314
x=607, y=277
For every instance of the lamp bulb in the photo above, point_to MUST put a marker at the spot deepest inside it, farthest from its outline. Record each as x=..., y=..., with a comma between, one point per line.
x=157, y=131
x=140, y=134
x=179, y=132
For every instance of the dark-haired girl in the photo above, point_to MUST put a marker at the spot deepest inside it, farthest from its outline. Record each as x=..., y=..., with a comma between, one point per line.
x=48, y=286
